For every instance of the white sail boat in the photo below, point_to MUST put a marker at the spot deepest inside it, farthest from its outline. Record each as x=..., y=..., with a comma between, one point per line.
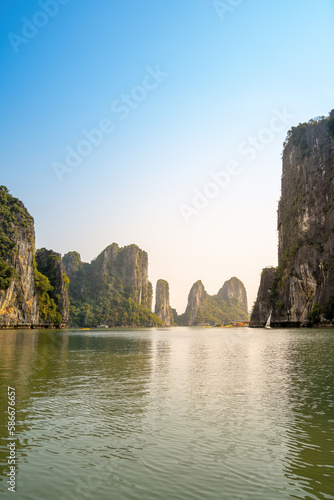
x=267, y=325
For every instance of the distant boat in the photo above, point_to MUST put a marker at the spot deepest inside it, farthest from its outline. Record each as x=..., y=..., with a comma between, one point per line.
x=84, y=328
x=103, y=326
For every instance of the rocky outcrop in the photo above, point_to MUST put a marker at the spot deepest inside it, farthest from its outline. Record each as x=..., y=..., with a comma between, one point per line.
x=72, y=263
x=113, y=289
x=49, y=263
x=303, y=288
x=162, y=305
x=128, y=266
x=225, y=307
x=25, y=293
x=263, y=305
x=234, y=291
x=196, y=299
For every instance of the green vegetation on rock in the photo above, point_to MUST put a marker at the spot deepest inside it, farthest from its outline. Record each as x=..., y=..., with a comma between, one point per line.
x=49, y=276
x=314, y=316
x=297, y=136
x=47, y=306
x=330, y=125
x=6, y=274
x=215, y=310
x=12, y=215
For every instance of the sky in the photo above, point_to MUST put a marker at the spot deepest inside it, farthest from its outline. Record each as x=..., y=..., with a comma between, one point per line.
x=160, y=123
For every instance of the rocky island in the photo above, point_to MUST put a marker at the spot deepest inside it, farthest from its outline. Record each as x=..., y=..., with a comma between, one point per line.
x=300, y=291
x=228, y=305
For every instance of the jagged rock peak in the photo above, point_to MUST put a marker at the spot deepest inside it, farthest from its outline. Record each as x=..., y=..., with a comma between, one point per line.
x=130, y=266
x=72, y=262
x=234, y=290
x=196, y=296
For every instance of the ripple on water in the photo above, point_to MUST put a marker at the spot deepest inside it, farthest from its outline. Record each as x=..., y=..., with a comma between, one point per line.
x=177, y=415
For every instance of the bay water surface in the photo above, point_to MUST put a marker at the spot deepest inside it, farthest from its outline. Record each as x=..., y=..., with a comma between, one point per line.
x=170, y=414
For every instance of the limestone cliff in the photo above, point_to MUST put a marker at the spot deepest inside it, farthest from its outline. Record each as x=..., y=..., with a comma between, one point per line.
x=113, y=289
x=303, y=287
x=234, y=290
x=263, y=306
x=25, y=293
x=229, y=305
x=196, y=299
x=162, y=305
x=18, y=298
x=128, y=268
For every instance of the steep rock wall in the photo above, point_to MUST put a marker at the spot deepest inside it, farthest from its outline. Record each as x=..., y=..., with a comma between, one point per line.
x=234, y=290
x=162, y=305
x=303, y=288
x=196, y=298
x=263, y=305
x=128, y=267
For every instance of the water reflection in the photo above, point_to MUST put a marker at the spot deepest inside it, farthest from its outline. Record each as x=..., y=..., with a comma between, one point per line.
x=213, y=412
x=178, y=413
x=310, y=460
x=80, y=397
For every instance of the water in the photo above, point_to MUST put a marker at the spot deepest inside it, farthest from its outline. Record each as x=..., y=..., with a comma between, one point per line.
x=170, y=414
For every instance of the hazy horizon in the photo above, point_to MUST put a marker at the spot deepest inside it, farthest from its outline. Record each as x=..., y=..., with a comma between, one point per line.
x=160, y=125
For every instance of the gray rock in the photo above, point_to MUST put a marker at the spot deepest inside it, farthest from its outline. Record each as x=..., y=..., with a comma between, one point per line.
x=162, y=305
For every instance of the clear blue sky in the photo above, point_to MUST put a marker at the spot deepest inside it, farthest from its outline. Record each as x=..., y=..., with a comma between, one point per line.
x=180, y=90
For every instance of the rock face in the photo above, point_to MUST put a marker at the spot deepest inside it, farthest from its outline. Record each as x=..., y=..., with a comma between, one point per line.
x=196, y=299
x=25, y=293
x=303, y=287
x=113, y=289
x=162, y=305
x=263, y=306
x=18, y=297
x=229, y=305
x=128, y=267
x=234, y=290
x=49, y=263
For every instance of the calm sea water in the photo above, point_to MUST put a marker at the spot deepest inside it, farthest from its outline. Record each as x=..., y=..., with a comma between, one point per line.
x=170, y=414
